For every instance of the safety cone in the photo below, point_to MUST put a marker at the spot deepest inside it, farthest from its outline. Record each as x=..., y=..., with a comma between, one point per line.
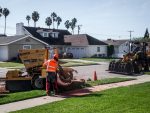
x=95, y=76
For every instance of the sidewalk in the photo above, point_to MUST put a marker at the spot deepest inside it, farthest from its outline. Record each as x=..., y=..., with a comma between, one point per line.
x=46, y=99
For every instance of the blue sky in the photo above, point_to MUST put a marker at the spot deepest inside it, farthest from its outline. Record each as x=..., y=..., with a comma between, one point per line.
x=100, y=18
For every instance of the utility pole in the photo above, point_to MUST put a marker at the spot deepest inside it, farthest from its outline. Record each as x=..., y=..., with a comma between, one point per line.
x=130, y=34
x=130, y=40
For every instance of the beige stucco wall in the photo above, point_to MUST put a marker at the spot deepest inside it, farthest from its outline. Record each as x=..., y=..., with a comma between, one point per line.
x=87, y=51
x=92, y=50
x=14, y=47
x=3, y=53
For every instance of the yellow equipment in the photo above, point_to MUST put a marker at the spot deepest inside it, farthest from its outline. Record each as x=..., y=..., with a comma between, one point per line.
x=35, y=78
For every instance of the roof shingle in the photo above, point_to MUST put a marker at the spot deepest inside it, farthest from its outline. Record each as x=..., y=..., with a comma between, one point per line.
x=9, y=39
x=50, y=40
x=83, y=40
x=115, y=42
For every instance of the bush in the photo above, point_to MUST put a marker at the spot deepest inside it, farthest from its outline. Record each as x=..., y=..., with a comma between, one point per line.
x=110, y=50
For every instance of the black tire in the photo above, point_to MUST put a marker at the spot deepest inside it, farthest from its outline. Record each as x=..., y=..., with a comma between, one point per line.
x=129, y=68
x=119, y=67
x=37, y=83
x=113, y=66
x=110, y=66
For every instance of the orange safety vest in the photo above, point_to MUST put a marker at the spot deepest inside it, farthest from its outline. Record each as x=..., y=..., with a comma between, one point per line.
x=51, y=65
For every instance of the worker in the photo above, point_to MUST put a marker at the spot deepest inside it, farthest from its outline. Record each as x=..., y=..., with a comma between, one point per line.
x=51, y=78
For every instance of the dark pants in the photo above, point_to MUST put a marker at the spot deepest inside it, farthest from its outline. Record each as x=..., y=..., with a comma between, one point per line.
x=51, y=82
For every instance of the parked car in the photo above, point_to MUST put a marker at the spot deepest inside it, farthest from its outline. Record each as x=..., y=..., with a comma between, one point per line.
x=67, y=55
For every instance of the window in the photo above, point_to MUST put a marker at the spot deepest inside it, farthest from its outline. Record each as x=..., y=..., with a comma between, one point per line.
x=45, y=34
x=54, y=34
x=98, y=49
x=26, y=46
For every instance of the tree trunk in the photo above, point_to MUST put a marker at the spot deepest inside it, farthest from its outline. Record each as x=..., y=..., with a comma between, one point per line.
x=5, y=27
x=34, y=24
x=53, y=25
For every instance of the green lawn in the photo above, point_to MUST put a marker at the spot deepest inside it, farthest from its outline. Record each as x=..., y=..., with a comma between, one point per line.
x=131, y=99
x=12, y=97
x=147, y=73
x=74, y=63
x=98, y=59
x=107, y=81
x=11, y=64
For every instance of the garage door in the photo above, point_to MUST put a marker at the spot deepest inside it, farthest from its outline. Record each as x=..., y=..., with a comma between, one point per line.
x=78, y=52
x=3, y=53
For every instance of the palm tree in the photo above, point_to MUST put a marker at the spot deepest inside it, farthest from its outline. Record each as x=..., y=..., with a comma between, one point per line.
x=5, y=13
x=67, y=24
x=146, y=35
x=48, y=21
x=35, y=17
x=1, y=10
x=73, y=24
x=58, y=20
x=53, y=16
x=28, y=19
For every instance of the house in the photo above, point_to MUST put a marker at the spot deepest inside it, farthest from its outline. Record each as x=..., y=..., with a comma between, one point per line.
x=10, y=45
x=64, y=41
x=84, y=45
x=121, y=47
x=53, y=37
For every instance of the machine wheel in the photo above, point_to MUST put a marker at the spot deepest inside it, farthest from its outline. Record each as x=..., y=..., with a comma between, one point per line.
x=113, y=66
x=116, y=67
x=37, y=83
x=119, y=67
x=129, y=68
x=110, y=66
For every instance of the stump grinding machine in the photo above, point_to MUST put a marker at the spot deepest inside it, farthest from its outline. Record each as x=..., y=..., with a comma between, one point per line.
x=35, y=77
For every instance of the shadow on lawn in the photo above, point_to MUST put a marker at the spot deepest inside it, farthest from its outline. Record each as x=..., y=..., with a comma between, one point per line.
x=3, y=95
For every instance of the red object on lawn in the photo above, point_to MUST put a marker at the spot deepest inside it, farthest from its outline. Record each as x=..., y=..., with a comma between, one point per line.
x=95, y=76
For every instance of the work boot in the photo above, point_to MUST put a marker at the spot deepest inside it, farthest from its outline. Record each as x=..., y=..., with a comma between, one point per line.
x=48, y=94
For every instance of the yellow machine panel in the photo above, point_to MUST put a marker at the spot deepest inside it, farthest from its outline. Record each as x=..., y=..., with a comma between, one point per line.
x=33, y=58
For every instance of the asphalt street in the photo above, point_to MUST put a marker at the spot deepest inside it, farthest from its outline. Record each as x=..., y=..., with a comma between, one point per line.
x=85, y=72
